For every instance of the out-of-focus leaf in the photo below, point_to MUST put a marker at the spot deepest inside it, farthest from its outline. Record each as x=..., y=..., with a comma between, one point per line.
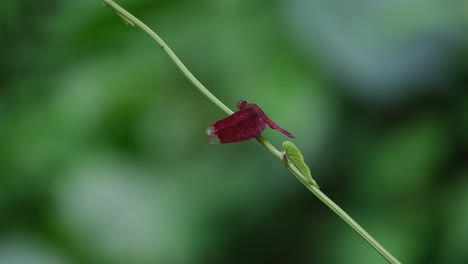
x=18, y=248
x=455, y=218
x=403, y=160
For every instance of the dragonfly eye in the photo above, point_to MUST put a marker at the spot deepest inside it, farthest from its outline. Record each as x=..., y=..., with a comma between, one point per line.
x=241, y=104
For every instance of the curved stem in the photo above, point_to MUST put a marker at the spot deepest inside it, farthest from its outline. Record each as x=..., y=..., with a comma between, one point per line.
x=129, y=18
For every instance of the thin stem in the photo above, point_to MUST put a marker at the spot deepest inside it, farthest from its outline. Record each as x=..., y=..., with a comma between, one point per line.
x=269, y=147
x=129, y=18
x=342, y=214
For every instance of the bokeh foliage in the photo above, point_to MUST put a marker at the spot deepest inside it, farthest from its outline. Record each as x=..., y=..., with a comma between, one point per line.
x=103, y=156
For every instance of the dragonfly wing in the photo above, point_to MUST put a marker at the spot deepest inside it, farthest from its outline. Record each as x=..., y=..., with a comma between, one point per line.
x=242, y=125
x=243, y=131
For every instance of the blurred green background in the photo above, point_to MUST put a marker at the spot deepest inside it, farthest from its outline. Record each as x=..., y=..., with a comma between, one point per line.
x=104, y=156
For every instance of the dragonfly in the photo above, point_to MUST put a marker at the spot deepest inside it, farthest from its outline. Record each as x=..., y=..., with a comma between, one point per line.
x=248, y=122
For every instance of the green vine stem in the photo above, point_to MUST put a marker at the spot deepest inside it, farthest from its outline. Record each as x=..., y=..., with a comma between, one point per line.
x=132, y=20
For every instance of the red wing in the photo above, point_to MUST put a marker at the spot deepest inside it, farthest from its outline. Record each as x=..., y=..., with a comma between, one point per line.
x=235, y=118
x=242, y=125
x=242, y=131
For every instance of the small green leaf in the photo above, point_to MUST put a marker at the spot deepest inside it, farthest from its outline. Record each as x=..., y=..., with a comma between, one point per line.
x=293, y=154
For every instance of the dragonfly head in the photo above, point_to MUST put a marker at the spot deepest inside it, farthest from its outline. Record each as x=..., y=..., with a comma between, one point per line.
x=241, y=104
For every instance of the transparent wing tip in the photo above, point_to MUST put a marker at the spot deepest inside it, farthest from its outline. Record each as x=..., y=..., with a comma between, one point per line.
x=210, y=130
x=214, y=139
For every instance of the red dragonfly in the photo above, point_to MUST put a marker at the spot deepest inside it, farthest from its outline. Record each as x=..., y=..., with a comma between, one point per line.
x=248, y=122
